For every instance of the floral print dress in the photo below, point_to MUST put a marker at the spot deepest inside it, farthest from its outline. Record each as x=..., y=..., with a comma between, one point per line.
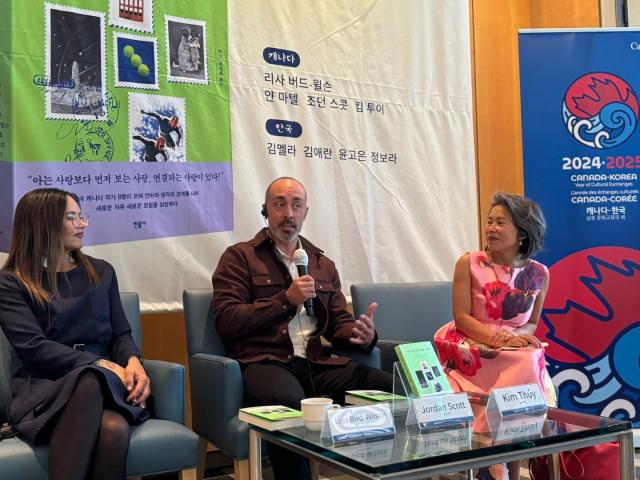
x=501, y=298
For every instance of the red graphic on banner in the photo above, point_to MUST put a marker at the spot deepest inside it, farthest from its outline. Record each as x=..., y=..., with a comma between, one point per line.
x=594, y=295
x=590, y=93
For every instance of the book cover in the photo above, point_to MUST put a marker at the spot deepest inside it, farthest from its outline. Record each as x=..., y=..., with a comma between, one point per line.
x=372, y=396
x=271, y=417
x=422, y=369
x=398, y=403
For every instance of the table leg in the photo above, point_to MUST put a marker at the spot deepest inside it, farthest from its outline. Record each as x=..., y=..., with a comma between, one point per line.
x=553, y=462
x=627, y=468
x=255, y=455
x=315, y=469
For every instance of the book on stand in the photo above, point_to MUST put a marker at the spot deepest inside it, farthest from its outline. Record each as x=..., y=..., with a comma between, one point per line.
x=271, y=417
x=422, y=369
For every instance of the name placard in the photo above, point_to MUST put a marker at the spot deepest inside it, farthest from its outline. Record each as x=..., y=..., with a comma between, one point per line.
x=438, y=410
x=360, y=423
x=518, y=399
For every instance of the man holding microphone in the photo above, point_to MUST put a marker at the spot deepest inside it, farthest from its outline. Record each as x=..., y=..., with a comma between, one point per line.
x=270, y=314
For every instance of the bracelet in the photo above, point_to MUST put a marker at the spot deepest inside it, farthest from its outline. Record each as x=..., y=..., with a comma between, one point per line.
x=101, y=362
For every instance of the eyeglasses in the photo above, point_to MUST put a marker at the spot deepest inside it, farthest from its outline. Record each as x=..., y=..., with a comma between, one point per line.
x=77, y=218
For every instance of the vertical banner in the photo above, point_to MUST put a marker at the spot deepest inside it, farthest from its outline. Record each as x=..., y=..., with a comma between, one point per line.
x=581, y=145
x=359, y=100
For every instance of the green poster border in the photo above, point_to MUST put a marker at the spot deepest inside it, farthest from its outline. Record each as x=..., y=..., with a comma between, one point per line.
x=31, y=138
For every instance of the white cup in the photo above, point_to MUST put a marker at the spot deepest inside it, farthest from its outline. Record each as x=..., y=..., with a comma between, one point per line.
x=314, y=410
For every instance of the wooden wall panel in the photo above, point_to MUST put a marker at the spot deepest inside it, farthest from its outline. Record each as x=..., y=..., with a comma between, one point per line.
x=495, y=25
x=164, y=338
x=565, y=14
x=496, y=96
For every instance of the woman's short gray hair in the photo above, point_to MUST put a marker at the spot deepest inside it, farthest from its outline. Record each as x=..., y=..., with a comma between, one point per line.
x=528, y=219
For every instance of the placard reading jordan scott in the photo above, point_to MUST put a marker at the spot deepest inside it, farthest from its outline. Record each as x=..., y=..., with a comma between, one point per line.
x=86, y=107
x=580, y=112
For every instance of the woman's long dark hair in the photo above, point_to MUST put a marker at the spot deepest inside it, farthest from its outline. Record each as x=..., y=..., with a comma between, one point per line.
x=38, y=234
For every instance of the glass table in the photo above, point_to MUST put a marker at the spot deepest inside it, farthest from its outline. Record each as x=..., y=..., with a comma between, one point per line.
x=413, y=455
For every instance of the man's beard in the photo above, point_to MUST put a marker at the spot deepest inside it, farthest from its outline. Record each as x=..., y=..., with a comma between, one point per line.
x=285, y=236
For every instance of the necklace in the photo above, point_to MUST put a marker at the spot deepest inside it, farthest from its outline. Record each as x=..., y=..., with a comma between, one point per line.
x=493, y=267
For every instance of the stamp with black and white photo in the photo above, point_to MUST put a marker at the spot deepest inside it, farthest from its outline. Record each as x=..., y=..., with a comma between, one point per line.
x=186, y=50
x=75, y=63
x=157, y=128
x=133, y=14
x=136, y=61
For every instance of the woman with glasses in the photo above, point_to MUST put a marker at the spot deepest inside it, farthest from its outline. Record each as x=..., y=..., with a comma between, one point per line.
x=81, y=382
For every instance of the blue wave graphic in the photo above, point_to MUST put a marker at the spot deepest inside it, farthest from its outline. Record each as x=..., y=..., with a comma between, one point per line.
x=619, y=120
x=613, y=126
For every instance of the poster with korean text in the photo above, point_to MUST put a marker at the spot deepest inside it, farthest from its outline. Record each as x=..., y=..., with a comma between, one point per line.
x=126, y=104
x=170, y=117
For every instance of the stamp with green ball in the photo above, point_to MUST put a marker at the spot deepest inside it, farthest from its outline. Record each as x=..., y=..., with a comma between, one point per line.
x=143, y=70
x=128, y=51
x=136, y=60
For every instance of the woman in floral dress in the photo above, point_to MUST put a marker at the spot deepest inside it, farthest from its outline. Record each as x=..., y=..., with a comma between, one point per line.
x=497, y=300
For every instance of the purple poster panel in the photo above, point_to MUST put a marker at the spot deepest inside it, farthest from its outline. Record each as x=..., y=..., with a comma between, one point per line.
x=6, y=199
x=134, y=201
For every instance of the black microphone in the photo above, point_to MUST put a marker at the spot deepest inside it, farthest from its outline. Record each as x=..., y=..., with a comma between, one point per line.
x=301, y=260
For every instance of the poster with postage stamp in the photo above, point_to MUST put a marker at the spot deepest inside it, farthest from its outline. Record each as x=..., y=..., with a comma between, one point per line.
x=133, y=14
x=135, y=61
x=157, y=128
x=186, y=50
x=75, y=69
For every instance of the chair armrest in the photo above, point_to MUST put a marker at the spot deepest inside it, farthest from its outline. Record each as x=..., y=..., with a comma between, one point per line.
x=388, y=354
x=370, y=359
x=216, y=396
x=167, y=390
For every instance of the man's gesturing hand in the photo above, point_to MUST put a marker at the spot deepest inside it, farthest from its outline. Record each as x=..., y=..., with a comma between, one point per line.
x=364, y=332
